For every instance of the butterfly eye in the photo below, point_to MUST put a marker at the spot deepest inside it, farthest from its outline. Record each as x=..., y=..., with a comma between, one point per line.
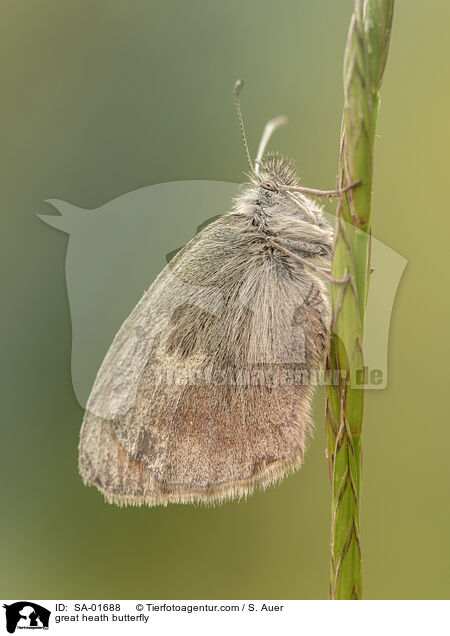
x=269, y=185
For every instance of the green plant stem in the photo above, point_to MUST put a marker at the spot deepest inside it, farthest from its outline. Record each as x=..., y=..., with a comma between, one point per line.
x=365, y=58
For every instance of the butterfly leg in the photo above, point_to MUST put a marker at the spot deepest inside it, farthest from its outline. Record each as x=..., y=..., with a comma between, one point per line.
x=320, y=270
x=309, y=249
x=322, y=193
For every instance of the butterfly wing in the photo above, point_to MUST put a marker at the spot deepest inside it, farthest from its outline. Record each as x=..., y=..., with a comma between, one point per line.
x=188, y=404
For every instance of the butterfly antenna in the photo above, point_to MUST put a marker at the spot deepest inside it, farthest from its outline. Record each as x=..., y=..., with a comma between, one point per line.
x=269, y=129
x=236, y=90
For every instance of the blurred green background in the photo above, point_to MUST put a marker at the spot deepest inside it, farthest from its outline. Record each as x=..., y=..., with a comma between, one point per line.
x=100, y=98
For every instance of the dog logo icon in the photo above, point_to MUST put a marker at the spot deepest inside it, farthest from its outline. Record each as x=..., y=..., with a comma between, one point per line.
x=26, y=615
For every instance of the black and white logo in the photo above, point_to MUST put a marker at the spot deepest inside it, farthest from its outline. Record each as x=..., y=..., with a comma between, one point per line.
x=26, y=615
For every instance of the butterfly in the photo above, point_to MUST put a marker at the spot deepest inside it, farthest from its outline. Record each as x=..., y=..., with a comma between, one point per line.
x=205, y=392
